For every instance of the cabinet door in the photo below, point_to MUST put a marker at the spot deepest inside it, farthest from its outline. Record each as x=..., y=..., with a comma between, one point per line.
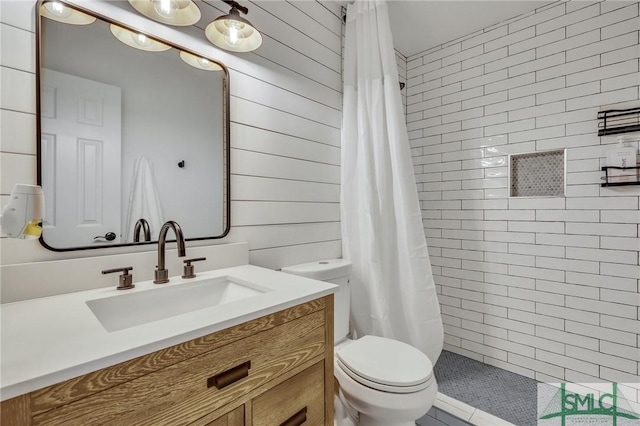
x=297, y=401
x=234, y=418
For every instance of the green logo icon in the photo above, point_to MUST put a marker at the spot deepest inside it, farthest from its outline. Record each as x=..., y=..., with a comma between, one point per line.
x=607, y=408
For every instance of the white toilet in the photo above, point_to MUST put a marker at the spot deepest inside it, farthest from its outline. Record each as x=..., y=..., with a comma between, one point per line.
x=383, y=382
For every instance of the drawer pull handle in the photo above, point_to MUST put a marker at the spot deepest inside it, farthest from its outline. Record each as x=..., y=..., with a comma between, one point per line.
x=230, y=376
x=297, y=419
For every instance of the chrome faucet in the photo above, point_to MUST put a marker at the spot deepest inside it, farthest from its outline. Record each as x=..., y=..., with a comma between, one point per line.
x=141, y=225
x=162, y=274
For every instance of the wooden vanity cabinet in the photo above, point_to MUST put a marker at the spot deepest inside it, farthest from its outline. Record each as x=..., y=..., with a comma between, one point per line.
x=298, y=400
x=234, y=418
x=276, y=370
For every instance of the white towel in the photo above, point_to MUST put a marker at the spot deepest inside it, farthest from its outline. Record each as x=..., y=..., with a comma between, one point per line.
x=144, y=201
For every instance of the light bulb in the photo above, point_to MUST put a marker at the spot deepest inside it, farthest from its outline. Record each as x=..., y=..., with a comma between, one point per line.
x=204, y=62
x=232, y=35
x=141, y=39
x=60, y=12
x=166, y=8
x=59, y=9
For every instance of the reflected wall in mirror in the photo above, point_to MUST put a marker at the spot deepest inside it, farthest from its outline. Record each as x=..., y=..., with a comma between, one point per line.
x=127, y=134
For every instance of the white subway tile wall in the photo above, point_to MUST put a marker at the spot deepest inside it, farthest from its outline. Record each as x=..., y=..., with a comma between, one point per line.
x=544, y=287
x=286, y=103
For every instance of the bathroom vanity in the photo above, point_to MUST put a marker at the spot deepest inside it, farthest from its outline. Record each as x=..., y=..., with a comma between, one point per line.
x=263, y=360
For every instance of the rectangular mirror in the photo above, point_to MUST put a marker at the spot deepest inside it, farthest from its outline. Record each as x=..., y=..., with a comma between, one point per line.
x=132, y=130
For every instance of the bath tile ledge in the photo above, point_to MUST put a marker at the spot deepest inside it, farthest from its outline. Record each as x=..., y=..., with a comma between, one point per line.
x=467, y=413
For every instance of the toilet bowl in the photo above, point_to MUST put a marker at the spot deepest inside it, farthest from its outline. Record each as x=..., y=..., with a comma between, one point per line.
x=383, y=382
x=387, y=382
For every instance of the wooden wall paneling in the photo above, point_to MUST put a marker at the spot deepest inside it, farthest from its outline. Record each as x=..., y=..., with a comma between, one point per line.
x=313, y=29
x=18, y=132
x=302, y=64
x=256, y=164
x=334, y=7
x=265, y=212
x=262, y=237
x=15, y=42
x=253, y=114
x=19, y=14
x=259, y=188
x=321, y=14
x=284, y=32
x=16, y=168
x=264, y=93
x=18, y=90
x=326, y=90
x=268, y=142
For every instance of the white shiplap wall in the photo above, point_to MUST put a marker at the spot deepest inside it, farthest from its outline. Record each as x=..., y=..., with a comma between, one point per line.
x=286, y=101
x=545, y=287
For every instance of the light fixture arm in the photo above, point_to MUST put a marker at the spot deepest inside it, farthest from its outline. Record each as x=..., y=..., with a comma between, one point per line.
x=237, y=5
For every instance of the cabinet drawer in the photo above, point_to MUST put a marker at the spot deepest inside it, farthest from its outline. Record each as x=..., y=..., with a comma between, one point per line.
x=234, y=418
x=186, y=391
x=297, y=401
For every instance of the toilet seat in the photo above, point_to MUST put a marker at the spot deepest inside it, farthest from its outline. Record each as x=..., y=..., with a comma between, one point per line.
x=386, y=365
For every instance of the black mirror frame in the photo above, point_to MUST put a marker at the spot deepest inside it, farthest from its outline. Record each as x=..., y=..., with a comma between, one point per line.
x=225, y=138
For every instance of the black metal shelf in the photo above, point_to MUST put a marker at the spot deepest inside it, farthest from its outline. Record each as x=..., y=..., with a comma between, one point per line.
x=607, y=178
x=616, y=121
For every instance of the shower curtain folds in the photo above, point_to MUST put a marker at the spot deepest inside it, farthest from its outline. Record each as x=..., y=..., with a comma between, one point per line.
x=393, y=293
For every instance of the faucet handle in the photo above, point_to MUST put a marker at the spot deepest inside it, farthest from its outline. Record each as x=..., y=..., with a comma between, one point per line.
x=189, y=271
x=125, y=281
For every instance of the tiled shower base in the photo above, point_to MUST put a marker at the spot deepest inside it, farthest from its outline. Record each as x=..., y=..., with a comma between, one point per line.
x=471, y=392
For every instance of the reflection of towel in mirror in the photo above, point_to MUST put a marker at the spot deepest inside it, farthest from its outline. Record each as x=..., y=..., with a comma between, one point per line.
x=144, y=201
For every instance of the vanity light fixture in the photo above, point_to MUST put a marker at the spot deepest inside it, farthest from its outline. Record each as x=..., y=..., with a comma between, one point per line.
x=232, y=32
x=137, y=40
x=60, y=12
x=200, y=63
x=180, y=13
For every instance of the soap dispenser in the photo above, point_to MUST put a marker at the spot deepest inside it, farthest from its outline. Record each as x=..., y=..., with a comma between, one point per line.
x=622, y=155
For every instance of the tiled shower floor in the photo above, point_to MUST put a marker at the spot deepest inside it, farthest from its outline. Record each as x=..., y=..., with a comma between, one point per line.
x=470, y=389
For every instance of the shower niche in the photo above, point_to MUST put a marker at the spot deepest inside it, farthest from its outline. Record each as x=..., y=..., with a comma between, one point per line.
x=537, y=174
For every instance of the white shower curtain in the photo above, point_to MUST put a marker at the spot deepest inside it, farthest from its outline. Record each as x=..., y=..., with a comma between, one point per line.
x=393, y=293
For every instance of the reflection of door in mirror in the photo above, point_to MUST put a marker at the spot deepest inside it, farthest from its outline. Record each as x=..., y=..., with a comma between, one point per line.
x=81, y=145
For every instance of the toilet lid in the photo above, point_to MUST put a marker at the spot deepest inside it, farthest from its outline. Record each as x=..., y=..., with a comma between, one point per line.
x=386, y=362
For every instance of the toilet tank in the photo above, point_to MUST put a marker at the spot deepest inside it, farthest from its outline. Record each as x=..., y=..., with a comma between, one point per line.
x=334, y=271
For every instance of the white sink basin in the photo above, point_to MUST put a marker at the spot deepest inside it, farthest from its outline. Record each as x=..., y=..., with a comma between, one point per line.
x=137, y=308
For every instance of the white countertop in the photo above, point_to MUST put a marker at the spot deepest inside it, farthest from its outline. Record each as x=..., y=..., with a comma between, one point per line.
x=52, y=339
